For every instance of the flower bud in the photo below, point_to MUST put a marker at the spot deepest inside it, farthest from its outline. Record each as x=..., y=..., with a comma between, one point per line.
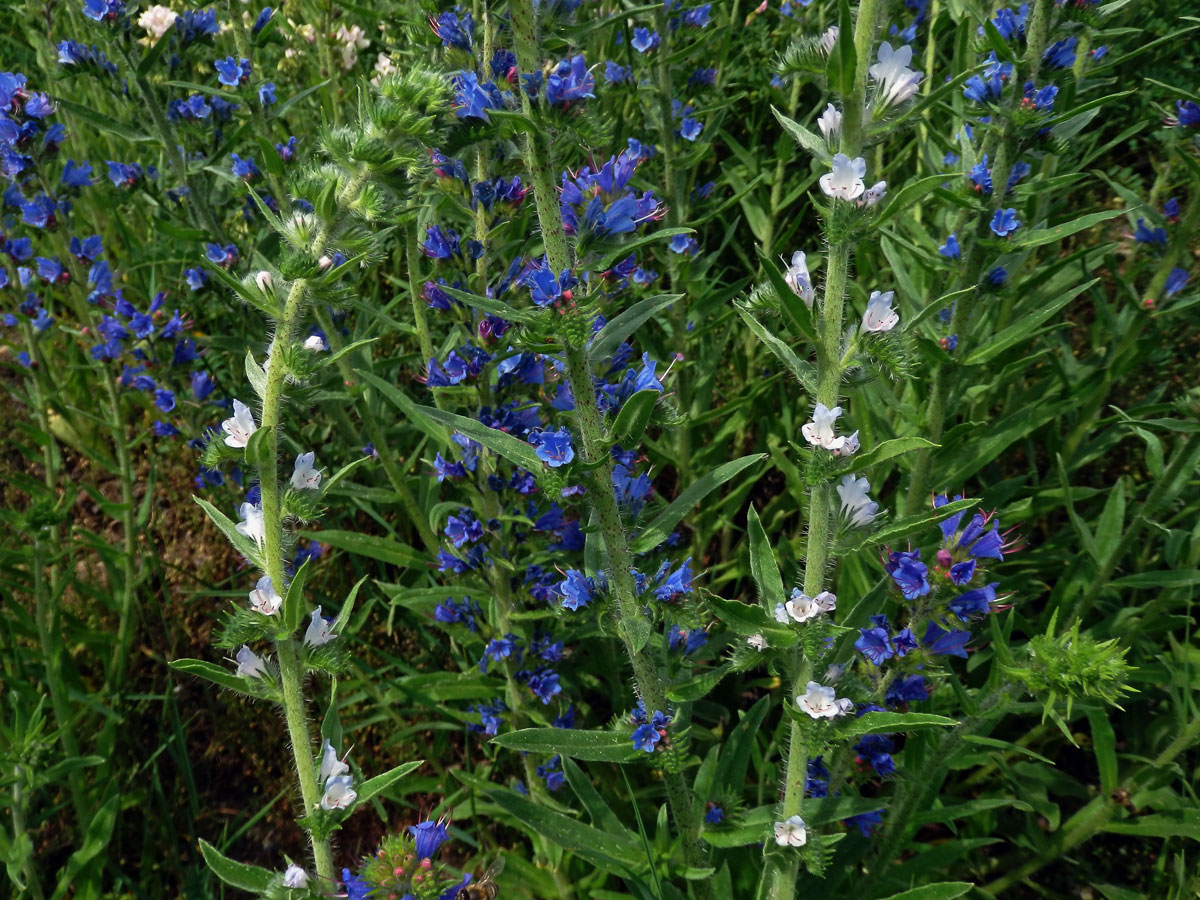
x=264, y=281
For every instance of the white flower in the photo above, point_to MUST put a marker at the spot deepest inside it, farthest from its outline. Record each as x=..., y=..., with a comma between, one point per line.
x=383, y=67
x=157, y=20
x=318, y=632
x=897, y=82
x=331, y=766
x=781, y=614
x=264, y=598
x=829, y=38
x=250, y=664
x=826, y=601
x=801, y=607
x=791, y=832
x=879, y=315
x=324, y=262
x=844, y=705
x=872, y=195
x=252, y=525
x=834, y=672
x=798, y=278
x=830, y=123
x=849, y=448
x=352, y=39
x=855, y=503
x=239, y=426
x=339, y=793
x=846, y=179
x=819, y=432
x=305, y=477
x=295, y=877
x=315, y=342
x=757, y=641
x=820, y=703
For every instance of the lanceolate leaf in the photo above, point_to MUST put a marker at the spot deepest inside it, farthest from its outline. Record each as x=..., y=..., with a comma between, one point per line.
x=660, y=529
x=511, y=448
x=596, y=746
x=813, y=143
x=240, y=542
x=379, y=783
x=890, y=723
x=763, y=567
x=242, y=876
x=620, y=327
x=210, y=672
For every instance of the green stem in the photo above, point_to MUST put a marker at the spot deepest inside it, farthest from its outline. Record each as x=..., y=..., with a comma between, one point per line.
x=783, y=869
x=120, y=661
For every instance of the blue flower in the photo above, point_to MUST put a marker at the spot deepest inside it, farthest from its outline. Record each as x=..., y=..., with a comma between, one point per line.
x=553, y=447
x=864, y=822
x=875, y=644
x=962, y=573
x=570, y=81
x=39, y=212
x=124, y=174
x=905, y=642
x=244, y=168
x=950, y=249
x=1004, y=222
x=1147, y=235
x=675, y=584
x=543, y=682
x=699, y=17
x=164, y=429
x=1176, y=281
x=453, y=31
x=941, y=642
x=264, y=17
x=977, y=602
x=287, y=152
x=645, y=737
x=552, y=773
x=615, y=73
x=472, y=99
x=232, y=72
x=908, y=572
x=1061, y=54
x=429, y=836
x=266, y=93
x=714, y=815
x=356, y=888
x=576, y=589
x=907, y=690
x=997, y=277
x=643, y=40
x=689, y=128
x=103, y=10
x=1189, y=113
x=1042, y=99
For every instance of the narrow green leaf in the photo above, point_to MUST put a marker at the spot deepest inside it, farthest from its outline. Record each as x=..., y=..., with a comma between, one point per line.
x=371, y=546
x=697, y=687
x=255, y=374
x=634, y=416
x=746, y=619
x=1023, y=329
x=890, y=723
x=604, y=262
x=813, y=143
x=343, y=472
x=1173, y=823
x=660, y=529
x=240, y=542
x=243, y=876
x=843, y=60
x=1104, y=744
x=406, y=405
x=514, y=450
x=295, y=607
x=373, y=786
x=802, y=369
x=913, y=191
x=1163, y=579
x=902, y=528
x=218, y=675
x=154, y=54
x=102, y=122
x=620, y=327
x=946, y=890
x=597, y=847
x=284, y=106
x=882, y=452
x=349, y=348
x=1042, y=236
x=347, y=607
x=763, y=567
x=495, y=307
x=595, y=746
x=598, y=811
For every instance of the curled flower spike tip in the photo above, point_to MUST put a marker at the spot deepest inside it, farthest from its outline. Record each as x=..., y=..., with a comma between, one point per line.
x=845, y=182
